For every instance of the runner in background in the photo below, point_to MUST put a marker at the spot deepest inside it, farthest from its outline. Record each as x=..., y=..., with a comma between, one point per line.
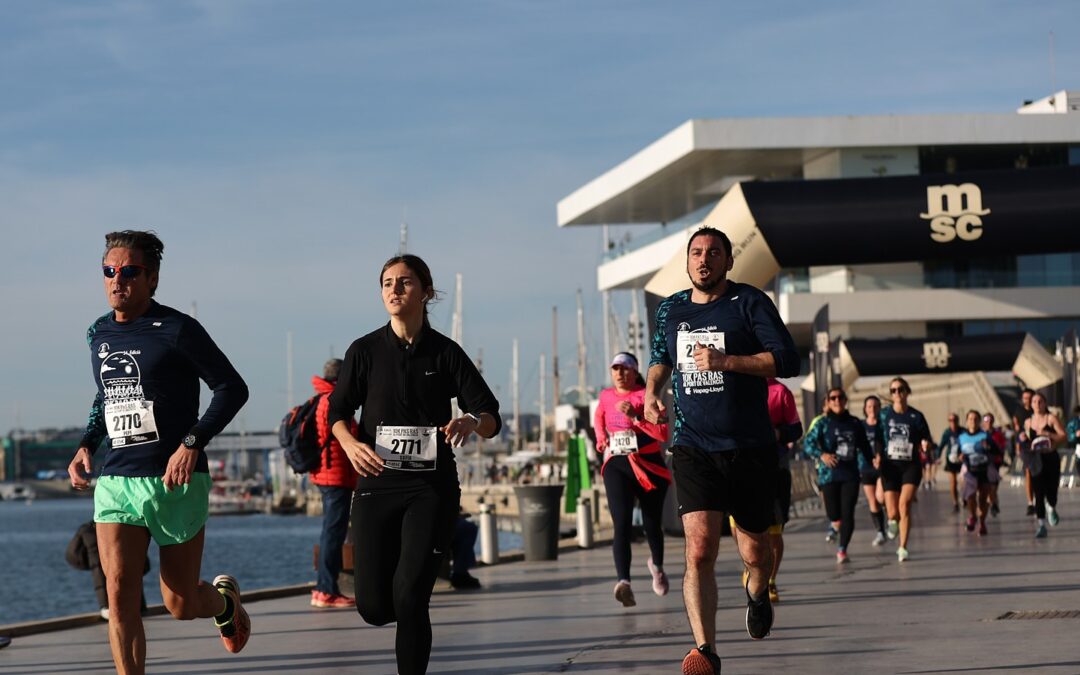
x=997, y=459
x=977, y=450
x=839, y=443
x=905, y=431
x=633, y=469
x=1042, y=434
x=1018, y=421
x=784, y=415
x=950, y=451
x=870, y=477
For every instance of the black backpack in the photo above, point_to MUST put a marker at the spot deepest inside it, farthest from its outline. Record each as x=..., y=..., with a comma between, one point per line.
x=299, y=435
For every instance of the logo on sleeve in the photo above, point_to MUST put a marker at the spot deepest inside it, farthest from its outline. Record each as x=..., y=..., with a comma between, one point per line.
x=103, y=350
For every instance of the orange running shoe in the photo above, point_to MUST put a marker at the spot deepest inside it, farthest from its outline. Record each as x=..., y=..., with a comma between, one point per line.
x=237, y=629
x=701, y=661
x=331, y=601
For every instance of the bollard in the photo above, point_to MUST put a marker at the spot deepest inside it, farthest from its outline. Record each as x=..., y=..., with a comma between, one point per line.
x=596, y=505
x=489, y=535
x=584, y=523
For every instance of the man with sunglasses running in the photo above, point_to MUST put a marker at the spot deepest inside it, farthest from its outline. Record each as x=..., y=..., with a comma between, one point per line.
x=154, y=481
x=718, y=342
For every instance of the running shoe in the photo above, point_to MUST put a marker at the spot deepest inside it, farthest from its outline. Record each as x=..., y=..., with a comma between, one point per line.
x=956, y=508
x=331, y=601
x=774, y=594
x=982, y=529
x=994, y=510
x=660, y=583
x=970, y=524
x=841, y=557
x=759, y=616
x=235, y=630
x=893, y=529
x=701, y=661
x=830, y=534
x=104, y=613
x=464, y=582
x=1052, y=516
x=1041, y=532
x=1031, y=509
x=901, y=554
x=624, y=594
x=879, y=539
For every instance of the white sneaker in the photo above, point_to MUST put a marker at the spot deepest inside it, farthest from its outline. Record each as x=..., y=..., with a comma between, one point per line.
x=879, y=539
x=901, y=554
x=104, y=613
x=659, y=579
x=893, y=529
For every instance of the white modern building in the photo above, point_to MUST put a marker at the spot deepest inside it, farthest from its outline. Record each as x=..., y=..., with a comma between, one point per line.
x=673, y=184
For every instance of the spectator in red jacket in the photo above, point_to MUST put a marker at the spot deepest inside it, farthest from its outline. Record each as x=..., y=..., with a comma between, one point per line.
x=336, y=480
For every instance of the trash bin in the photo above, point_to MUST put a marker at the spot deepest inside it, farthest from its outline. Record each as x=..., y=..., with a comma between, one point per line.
x=539, y=509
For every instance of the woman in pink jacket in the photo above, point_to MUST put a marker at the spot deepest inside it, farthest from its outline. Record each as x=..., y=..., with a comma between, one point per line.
x=633, y=468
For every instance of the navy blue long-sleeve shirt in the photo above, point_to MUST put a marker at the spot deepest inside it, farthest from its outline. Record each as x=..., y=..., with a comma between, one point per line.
x=722, y=410
x=147, y=372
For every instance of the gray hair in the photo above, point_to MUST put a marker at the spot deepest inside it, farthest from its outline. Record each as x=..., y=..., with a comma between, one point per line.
x=147, y=243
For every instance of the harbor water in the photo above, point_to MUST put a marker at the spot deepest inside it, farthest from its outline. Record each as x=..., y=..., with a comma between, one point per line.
x=36, y=582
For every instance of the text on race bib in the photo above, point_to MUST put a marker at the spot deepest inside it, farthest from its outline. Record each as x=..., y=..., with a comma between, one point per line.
x=622, y=442
x=687, y=340
x=130, y=422
x=407, y=448
x=899, y=448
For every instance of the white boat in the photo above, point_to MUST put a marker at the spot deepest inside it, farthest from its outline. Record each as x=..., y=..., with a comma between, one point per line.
x=16, y=491
x=235, y=498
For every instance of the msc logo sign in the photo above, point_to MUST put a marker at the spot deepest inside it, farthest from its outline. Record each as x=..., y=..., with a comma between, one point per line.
x=936, y=354
x=954, y=211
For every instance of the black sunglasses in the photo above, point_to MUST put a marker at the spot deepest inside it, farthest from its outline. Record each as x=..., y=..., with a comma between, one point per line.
x=897, y=390
x=126, y=271
x=837, y=398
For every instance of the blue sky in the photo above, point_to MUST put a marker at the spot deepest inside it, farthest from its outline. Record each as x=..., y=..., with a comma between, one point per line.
x=276, y=145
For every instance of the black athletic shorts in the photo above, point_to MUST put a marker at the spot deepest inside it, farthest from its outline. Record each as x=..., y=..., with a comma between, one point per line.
x=869, y=477
x=741, y=483
x=782, y=503
x=952, y=468
x=895, y=474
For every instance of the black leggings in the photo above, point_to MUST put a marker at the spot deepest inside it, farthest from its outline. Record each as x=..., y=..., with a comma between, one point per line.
x=840, y=500
x=1045, y=484
x=399, y=541
x=622, y=488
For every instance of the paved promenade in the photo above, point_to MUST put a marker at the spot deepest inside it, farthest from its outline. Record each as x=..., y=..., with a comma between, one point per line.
x=940, y=612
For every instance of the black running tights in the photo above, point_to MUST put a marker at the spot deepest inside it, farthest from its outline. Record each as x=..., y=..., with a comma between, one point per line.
x=622, y=488
x=1045, y=484
x=840, y=500
x=399, y=539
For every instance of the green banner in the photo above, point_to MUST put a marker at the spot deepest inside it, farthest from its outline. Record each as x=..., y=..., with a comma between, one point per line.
x=578, y=477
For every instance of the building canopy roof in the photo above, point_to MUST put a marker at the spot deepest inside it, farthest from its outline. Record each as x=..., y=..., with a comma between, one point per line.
x=699, y=160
